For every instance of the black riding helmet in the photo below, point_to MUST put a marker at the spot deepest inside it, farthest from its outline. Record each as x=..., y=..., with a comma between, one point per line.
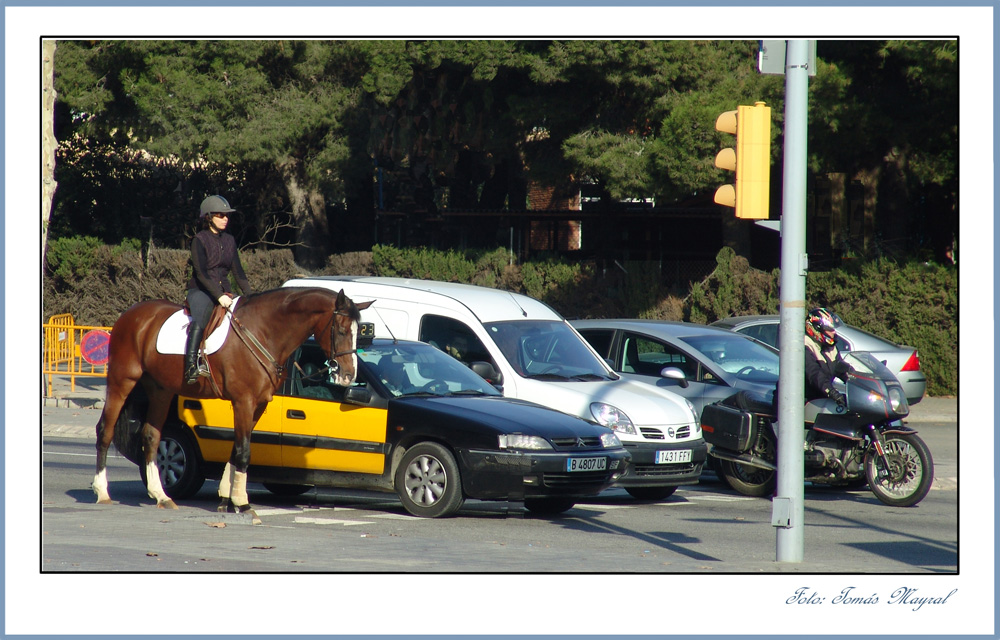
x=214, y=204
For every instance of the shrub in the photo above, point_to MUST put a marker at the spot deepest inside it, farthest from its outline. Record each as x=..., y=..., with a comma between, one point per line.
x=733, y=289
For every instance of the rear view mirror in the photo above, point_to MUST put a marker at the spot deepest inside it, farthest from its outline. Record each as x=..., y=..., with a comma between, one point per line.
x=673, y=373
x=487, y=372
x=358, y=395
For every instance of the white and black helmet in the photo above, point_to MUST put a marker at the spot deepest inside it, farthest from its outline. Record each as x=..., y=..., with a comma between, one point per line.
x=214, y=204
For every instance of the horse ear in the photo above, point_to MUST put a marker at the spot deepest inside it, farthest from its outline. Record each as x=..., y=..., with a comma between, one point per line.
x=364, y=305
x=341, y=300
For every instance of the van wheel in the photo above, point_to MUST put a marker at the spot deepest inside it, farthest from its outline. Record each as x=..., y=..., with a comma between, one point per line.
x=287, y=489
x=651, y=493
x=178, y=462
x=428, y=482
x=548, y=506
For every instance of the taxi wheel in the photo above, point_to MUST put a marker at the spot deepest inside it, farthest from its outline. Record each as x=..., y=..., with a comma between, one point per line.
x=178, y=462
x=428, y=482
x=651, y=493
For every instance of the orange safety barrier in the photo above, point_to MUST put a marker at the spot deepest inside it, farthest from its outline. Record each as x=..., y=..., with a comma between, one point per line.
x=73, y=350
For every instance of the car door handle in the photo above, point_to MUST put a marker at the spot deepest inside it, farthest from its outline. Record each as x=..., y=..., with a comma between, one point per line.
x=295, y=414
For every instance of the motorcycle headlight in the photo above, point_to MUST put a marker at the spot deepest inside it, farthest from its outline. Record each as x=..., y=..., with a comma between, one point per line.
x=522, y=441
x=897, y=400
x=610, y=440
x=612, y=417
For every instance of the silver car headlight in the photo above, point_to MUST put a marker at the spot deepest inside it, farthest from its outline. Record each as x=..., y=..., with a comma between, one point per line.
x=610, y=440
x=610, y=416
x=523, y=442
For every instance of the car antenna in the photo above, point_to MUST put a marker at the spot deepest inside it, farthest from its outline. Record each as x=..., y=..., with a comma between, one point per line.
x=385, y=324
x=523, y=312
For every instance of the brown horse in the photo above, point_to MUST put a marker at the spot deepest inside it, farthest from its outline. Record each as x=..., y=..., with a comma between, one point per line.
x=244, y=371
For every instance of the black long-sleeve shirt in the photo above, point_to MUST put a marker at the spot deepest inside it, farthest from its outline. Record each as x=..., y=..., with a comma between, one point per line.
x=213, y=256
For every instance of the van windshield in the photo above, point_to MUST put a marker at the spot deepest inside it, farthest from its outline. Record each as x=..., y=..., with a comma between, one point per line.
x=546, y=349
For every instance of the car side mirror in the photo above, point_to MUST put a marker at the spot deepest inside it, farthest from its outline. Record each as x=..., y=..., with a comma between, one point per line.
x=487, y=372
x=358, y=395
x=673, y=373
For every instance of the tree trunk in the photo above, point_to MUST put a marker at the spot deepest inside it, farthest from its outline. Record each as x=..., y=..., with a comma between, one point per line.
x=308, y=214
x=49, y=143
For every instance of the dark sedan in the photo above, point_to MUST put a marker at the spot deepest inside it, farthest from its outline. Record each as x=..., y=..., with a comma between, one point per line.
x=416, y=422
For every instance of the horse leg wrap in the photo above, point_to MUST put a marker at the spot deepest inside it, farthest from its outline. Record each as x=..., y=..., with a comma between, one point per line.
x=100, y=486
x=154, y=488
x=239, y=496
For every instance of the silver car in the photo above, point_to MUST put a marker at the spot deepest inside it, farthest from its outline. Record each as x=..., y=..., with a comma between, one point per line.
x=902, y=360
x=703, y=364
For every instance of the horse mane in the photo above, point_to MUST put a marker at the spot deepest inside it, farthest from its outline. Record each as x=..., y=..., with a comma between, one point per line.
x=254, y=298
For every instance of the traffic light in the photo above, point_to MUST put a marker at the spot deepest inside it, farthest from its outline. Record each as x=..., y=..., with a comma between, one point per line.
x=751, y=160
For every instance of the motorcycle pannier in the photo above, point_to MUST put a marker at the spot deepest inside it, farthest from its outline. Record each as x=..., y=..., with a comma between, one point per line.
x=728, y=427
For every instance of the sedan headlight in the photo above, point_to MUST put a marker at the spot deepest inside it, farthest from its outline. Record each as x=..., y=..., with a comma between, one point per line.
x=612, y=417
x=522, y=441
x=610, y=441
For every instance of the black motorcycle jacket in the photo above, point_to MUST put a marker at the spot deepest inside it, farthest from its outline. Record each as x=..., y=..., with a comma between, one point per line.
x=821, y=367
x=213, y=256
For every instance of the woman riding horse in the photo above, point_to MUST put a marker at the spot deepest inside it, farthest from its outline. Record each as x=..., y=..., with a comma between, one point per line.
x=246, y=370
x=213, y=256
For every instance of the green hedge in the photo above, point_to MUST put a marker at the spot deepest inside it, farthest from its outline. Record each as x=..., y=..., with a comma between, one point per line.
x=915, y=303
x=912, y=303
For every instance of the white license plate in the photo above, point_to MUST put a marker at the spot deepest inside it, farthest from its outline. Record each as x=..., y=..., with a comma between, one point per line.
x=586, y=464
x=674, y=456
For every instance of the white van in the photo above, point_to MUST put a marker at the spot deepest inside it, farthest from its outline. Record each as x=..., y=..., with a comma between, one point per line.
x=530, y=352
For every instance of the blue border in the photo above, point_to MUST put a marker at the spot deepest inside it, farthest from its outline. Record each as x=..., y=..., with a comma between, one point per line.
x=835, y=621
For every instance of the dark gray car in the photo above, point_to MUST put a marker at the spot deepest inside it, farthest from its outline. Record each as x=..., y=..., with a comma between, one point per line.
x=902, y=360
x=715, y=363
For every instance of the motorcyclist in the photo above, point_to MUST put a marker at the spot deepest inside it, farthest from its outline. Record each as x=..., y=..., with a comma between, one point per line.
x=823, y=362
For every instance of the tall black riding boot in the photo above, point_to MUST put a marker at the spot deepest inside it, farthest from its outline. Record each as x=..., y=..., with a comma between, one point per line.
x=191, y=353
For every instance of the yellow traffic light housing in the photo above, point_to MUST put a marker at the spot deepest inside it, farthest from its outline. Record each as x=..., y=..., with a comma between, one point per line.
x=751, y=160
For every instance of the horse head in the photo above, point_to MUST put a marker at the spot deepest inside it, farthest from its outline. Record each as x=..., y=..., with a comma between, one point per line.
x=341, y=341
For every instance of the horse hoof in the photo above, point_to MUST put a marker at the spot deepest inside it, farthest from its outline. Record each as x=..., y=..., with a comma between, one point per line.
x=167, y=504
x=254, y=518
x=105, y=501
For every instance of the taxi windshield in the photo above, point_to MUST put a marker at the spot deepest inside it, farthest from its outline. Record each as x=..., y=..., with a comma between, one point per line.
x=547, y=350
x=408, y=369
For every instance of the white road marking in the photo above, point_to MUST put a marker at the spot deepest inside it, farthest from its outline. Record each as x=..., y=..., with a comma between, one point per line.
x=602, y=507
x=346, y=523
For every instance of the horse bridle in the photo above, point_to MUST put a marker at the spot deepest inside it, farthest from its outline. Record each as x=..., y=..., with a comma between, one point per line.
x=332, y=366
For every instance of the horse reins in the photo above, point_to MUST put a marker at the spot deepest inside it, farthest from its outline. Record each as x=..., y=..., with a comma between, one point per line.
x=245, y=335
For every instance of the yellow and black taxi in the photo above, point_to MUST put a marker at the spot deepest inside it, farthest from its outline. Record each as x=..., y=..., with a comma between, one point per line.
x=416, y=422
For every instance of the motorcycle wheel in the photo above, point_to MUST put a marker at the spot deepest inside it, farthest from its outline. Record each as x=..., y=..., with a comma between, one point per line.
x=750, y=481
x=910, y=473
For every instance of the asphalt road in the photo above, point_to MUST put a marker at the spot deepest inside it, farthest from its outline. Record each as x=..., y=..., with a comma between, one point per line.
x=702, y=528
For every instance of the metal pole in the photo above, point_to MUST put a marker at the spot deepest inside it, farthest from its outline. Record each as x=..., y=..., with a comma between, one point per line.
x=788, y=505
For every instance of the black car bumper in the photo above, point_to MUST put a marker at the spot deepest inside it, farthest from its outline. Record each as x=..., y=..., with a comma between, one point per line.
x=498, y=475
x=648, y=470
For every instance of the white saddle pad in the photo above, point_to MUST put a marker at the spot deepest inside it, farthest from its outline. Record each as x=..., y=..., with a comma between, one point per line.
x=172, y=338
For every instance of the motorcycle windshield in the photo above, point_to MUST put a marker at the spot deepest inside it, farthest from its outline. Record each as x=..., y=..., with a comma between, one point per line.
x=864, y=362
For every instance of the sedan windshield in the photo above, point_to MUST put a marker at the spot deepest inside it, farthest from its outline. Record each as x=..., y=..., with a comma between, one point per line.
x=546, y=349
x=419, y=369
x=748, y=359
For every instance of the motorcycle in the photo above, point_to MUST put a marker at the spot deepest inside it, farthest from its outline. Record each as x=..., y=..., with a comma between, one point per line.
x=864, y=442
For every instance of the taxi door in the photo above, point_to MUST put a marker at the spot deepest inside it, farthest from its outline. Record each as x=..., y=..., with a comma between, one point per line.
x=319, y=431
x=211, y=420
